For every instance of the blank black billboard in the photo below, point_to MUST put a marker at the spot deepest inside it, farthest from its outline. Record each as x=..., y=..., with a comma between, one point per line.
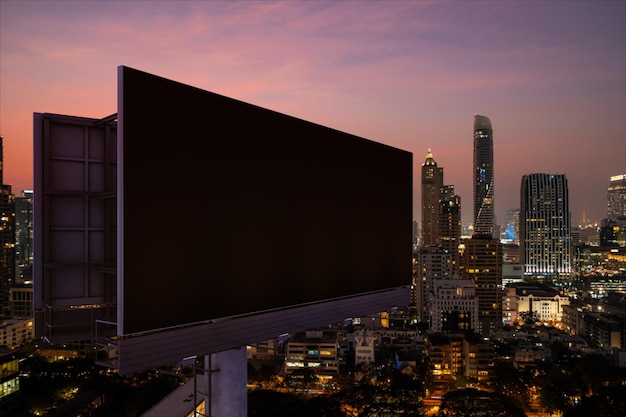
x=228, y=208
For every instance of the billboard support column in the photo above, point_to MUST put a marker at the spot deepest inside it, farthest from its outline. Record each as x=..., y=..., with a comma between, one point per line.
x=226, y=377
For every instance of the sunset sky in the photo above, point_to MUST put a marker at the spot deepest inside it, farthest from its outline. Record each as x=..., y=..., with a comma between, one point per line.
x=551, y=76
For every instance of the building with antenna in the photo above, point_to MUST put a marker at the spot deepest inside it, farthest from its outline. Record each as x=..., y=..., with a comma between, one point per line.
x=432, y=183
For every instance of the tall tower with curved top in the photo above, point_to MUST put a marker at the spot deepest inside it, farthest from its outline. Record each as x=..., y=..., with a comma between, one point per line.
x=484, y=220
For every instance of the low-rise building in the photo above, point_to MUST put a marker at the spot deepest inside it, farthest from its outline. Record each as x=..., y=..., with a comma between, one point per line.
x=479, y=359
x=527, y=354
x=545, y=303
x=445, y=353
x=263, y=350
x=573, y=317
x=605, y=330
x=318, y=349
x=14, y=333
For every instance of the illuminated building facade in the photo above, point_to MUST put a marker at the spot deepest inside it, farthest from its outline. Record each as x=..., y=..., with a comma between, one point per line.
x=616, y=197
x=7, y=240
x=14, y=333
x=545, y=226
x=432, y=183
x=484, y=220
x=482, y=263
x=545, y=303
x=445, y=353
x=9, y=383
x=316, y=349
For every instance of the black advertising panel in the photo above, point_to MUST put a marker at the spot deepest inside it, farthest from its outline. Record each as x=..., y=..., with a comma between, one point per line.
x=229, y=208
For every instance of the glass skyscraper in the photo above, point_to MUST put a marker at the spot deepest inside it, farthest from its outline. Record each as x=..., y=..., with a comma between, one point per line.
x=484, y=220
x=545, y=224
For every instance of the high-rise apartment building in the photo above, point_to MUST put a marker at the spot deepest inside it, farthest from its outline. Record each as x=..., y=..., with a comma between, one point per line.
x=545, y=227
x=432, y=262
x=616, y=197
x=7, y=240
x=484, y=220
x=432, y=183
x=449, y=225
x=482, y=263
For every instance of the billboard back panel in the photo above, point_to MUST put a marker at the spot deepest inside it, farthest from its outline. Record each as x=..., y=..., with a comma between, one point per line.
x=228, y=208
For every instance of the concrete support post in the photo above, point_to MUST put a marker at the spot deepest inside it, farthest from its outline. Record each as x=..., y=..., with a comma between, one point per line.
x=226, y=376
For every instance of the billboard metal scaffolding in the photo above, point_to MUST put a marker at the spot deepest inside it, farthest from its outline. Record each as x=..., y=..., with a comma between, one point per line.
x=75, y=228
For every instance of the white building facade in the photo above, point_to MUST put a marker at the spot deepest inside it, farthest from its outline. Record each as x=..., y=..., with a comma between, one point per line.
x=455, y=305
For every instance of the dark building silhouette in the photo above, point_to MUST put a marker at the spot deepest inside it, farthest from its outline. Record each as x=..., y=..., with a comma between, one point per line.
x=613, y=232
x=449, y=225
x=24, y=226
x=7, y=240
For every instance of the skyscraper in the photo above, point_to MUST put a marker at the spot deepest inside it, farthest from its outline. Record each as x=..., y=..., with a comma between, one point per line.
x=482, y=263
x=432, y=263
x=449, y=225
x=616, y=197
x=24, y=234
x=545, y=226
x=484, y=220
x=432, y=183
x=7, y=240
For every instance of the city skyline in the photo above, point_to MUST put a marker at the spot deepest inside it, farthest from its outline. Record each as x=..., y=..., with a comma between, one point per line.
x=412, y=74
